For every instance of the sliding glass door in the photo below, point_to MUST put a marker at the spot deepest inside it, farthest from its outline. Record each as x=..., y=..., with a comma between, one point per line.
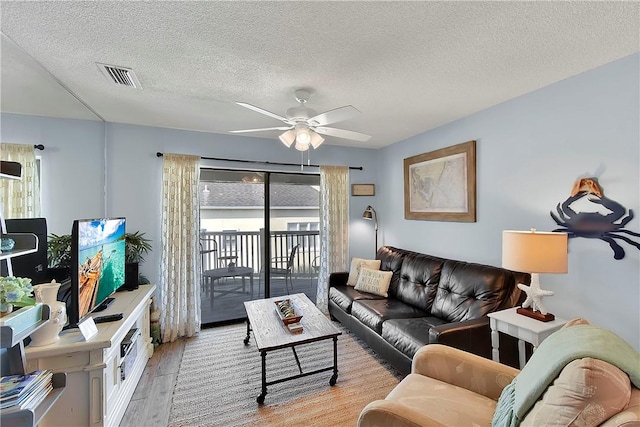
x=258, y=238
x=294, y=233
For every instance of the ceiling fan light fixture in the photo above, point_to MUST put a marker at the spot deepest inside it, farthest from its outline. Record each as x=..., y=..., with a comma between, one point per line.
x=316, y=140
x=302, y=134
x=301, y=147
x=288, y=137
x=304, y=126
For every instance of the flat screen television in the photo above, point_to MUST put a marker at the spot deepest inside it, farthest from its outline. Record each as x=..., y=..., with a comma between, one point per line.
x=97, y=264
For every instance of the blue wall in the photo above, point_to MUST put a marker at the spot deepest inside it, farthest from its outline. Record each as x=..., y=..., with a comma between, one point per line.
x=530, y=150
x=134, y=173
x=72, y=165
x=92, y=170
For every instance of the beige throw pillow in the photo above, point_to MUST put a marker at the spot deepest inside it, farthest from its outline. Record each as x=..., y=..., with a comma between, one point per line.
x=357, y=264
x=374, y=281
x=586, y=393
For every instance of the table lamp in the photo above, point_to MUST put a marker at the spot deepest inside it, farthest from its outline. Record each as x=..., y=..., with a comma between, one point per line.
x=534, y=252
x=370, y=214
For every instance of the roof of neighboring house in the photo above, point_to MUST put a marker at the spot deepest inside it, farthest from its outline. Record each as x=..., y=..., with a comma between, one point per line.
x=242, y=194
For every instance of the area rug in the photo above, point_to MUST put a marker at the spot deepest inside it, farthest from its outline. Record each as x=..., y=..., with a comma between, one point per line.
x=219, y=380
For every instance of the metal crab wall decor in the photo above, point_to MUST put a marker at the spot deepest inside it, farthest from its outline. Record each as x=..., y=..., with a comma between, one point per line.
x=594, y=225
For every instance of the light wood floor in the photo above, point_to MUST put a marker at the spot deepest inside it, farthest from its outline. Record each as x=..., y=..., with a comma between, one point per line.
x=151, y=401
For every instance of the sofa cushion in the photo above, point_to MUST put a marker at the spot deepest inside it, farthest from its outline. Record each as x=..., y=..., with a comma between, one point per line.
x=356, y=266
x=441, y=403
x=343, y=296
x=391, y=260
x=373, y=281
x=419, y=277
x=469, y=291
x=586, y=393
x=408, y=335
x=372, y=313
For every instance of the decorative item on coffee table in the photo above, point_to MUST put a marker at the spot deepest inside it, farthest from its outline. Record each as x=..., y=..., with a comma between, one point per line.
x=287, y=311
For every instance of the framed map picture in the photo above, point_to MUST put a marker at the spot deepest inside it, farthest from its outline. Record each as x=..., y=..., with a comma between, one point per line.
x=441, y=185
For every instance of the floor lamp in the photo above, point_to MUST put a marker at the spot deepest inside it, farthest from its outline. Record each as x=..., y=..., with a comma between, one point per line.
x=370, y=214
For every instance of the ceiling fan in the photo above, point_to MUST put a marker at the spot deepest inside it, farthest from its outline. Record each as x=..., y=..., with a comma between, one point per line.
x=305, y=127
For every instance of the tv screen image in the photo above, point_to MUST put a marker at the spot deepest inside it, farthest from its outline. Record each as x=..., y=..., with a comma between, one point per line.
x=100, y=263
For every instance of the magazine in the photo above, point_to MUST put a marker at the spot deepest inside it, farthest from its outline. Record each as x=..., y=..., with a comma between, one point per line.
x=32, y=401
x=18, y=389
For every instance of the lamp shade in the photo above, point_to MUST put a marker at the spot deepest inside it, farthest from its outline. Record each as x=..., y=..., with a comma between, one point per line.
x=303, y=137
x=367, y=213
x=301, y=147
x=288, y=137
x=534, y=252
x=316, y=140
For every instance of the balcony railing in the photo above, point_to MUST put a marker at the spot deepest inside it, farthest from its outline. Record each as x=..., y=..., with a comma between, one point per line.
x=246, y=249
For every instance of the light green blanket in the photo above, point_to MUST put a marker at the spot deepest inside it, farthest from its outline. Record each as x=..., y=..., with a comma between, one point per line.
x=560, y=348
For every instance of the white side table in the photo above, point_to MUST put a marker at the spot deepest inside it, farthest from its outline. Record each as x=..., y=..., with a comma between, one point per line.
x=522, y=327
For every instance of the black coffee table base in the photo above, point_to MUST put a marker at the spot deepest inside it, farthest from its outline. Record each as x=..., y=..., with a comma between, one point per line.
x=263, y=356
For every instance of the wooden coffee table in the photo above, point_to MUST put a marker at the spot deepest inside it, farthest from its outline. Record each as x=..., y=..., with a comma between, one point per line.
x=272, y=334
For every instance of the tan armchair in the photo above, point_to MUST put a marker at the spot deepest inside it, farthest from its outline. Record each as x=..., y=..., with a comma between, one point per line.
x=450, y=387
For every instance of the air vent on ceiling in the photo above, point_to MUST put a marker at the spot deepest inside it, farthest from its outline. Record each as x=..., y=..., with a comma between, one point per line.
x=121, y=76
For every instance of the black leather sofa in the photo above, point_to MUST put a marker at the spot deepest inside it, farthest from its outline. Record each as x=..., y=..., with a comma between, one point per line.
x=431, y=300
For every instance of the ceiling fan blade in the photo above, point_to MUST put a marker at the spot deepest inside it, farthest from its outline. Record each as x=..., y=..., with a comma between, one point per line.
x=262, y=111
x=341, y=133
x=259, y=130
x=334, y=116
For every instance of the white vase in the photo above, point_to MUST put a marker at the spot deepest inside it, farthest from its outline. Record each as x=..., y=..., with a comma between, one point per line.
x=47, y=293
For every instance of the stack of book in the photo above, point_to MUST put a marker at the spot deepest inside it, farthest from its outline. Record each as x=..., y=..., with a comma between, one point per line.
x=294, y=327
x=20, y=392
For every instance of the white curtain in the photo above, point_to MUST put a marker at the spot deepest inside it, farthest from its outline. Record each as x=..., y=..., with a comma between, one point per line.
x=179, y=269
x=20, y=198
x=334, y=228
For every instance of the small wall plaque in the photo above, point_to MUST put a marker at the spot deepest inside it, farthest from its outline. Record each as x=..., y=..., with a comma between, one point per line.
x=363, y=189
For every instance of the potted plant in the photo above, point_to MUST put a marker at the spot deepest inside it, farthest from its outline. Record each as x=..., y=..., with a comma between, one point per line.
x=59, y=256
x=136, y=247
x=15, y=292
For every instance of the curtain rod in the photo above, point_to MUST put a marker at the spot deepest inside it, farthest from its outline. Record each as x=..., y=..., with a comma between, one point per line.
x=158, y=154
x=39, y=147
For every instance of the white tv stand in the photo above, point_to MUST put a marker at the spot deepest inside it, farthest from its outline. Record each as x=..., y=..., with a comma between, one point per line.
x=96, y=393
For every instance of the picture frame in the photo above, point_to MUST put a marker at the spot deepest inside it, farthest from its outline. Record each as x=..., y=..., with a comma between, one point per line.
x=363, y=189
x=441, y=185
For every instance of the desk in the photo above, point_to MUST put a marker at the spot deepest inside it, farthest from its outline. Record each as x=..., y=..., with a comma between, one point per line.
x=219, y=273
x=522, y=327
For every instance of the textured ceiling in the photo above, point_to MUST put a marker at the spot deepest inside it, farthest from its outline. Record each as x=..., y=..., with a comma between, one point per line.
x=407, y=66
